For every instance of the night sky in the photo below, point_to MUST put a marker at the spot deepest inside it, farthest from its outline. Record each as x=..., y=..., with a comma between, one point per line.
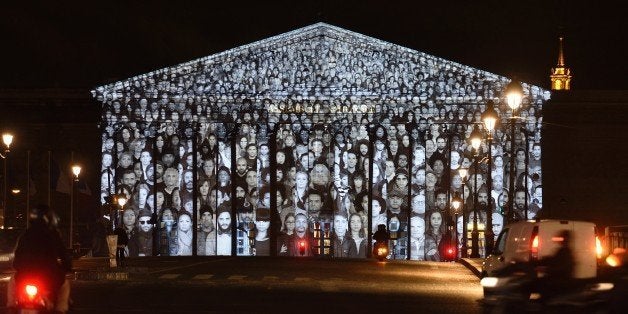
x=75, y=44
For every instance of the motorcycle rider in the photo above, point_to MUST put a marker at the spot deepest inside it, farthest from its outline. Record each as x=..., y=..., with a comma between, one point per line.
x=559, y=268
x=41, y=252
x=381, y=235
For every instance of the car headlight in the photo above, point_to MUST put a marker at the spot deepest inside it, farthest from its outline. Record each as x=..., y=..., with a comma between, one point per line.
x=489, y=282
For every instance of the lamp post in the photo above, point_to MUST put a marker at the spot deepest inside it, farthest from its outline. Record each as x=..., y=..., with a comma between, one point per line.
x=456, y=202
x=76, y=170
x=476, y=140
x=121, y=200
x=514, y=96
x=463, y=174
x=7, y=139
x=489, y=117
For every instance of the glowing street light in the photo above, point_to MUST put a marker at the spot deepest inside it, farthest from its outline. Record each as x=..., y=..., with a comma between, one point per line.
x=476, y=141
x=76, y=170
x=476, y=138
x=7, y=139
x=490, y=118
x=463, y=174
x=121, y=199
x=514, y=95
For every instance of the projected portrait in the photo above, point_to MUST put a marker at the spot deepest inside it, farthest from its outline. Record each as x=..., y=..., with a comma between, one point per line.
x=316, y=136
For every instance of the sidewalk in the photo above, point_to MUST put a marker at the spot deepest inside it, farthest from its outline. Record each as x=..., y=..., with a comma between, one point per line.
x=473, y=264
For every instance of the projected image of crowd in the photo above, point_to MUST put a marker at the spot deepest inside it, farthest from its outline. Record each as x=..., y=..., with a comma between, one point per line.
x=318, y=141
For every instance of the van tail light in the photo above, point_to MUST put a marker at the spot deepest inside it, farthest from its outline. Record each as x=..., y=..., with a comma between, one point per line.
x=534, y=244
x=598, y=248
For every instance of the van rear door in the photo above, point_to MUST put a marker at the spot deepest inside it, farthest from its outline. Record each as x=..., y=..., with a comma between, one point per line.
x=582, y=244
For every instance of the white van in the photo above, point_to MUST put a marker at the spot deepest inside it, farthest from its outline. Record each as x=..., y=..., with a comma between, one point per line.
x=526, y=241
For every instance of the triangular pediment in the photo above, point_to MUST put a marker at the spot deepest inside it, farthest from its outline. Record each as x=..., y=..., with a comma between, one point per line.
x=320, y=61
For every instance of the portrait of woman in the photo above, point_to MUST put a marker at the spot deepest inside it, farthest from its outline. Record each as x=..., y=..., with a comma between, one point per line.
x=357, y=235
x=181, y=242
x=433, y=235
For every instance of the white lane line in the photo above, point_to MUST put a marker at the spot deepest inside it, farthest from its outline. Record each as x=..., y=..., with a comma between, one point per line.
x=169, y=276
x=302, y=279
x=203, y=276
x=270, y=278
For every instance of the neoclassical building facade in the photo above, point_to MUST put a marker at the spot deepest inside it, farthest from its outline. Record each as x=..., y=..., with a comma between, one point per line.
x=318, y=136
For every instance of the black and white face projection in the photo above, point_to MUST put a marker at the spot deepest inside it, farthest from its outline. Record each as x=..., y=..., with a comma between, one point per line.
x=304, y=143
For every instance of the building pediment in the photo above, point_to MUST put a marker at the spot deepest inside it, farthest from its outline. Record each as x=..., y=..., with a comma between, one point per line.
x=318, y=62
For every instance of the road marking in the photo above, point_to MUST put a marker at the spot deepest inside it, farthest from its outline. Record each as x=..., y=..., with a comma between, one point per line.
x=236, y=277
x=302, y=279
x=191, y=265
x=169, y=276
x=270, y=278
x=203, y=276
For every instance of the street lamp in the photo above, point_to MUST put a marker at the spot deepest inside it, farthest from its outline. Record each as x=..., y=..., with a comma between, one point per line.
x=7, y=139
x=476, y=140
x=463, y=174
x=456, y=201
x=121, y=199
x=76, y=170
x=489, y=117
x=514, y=97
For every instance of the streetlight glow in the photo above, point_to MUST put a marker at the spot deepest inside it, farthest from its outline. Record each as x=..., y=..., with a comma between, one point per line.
x=456, y=201
x=463, y=172
x=7, y=138
x=76, y=170
x=514, y=95
x=476, y=138
x=121, y=200
x=490, y=116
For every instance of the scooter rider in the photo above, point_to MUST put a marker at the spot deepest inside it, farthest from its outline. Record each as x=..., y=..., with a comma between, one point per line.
x=559, y=268
x=38, y=253
x=381, y=235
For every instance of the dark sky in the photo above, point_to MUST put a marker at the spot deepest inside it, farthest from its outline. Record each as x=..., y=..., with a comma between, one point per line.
x=84, y=44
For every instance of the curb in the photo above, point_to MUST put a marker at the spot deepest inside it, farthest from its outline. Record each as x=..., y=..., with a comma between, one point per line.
x=99, y=275
x=472, y=268
x=105, y=273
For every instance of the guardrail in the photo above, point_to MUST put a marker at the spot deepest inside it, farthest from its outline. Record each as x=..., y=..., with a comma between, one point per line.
x=615, y=237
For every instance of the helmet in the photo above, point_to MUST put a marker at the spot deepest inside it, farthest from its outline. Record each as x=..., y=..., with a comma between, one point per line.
x=44, y=214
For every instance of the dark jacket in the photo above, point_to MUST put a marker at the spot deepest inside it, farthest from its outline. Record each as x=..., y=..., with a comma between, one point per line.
x=37, y=252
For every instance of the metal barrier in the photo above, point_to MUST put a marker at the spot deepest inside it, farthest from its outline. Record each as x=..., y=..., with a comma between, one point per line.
x=615, y=237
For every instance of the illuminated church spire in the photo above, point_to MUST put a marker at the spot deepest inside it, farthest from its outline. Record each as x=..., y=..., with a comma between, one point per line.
x=561, y=75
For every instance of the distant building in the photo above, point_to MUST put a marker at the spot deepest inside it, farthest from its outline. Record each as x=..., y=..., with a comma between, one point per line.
x=332, y=130
x=561, y=74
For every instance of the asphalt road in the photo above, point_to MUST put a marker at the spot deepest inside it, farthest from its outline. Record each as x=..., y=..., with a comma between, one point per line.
x=265, y=285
